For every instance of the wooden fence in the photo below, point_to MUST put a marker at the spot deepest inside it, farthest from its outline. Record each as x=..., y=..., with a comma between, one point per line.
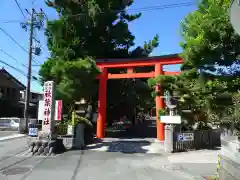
x=200, y=139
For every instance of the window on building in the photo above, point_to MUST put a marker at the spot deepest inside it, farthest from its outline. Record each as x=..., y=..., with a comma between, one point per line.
x=22, y=95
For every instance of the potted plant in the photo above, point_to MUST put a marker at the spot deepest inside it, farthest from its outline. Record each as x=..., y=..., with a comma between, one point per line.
x=69, y=128
x=82, y=120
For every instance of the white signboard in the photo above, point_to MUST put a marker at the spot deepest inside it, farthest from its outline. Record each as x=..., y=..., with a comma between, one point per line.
x=186, y=137
x=47, y=123
x=171, y=119
x=33, y=131
x=58, y=110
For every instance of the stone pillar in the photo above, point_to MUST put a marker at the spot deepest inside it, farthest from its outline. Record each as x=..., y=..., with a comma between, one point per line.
x=168, y=142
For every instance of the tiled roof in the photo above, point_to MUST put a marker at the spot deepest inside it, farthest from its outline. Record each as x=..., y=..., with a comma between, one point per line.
x=12, y=78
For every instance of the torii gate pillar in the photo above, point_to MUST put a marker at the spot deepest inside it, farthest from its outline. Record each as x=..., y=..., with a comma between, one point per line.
x=102, y=99
x=159, y=104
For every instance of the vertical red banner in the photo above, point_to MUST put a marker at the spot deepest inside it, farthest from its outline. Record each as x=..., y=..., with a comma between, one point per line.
x=59, y=110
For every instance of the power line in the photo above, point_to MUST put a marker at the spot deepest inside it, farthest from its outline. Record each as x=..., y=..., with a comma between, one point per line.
x=25, y=50
x=13, y=39
x=147, y=8
x=19, y=70
x=19, y=7
x=9, y=55
x=11, y=21
x=143, y=9
x=160, y=7
x=16, y=69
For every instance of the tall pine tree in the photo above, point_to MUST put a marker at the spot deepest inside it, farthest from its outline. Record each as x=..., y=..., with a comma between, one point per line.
x=94, y=29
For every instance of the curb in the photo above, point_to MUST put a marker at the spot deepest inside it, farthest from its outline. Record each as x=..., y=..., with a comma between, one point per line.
x=15, y=136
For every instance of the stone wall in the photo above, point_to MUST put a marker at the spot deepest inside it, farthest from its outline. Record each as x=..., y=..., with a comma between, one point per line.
x=229, y=158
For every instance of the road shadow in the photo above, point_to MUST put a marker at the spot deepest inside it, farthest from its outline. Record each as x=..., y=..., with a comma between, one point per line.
x=214, y=148
x=127, y=147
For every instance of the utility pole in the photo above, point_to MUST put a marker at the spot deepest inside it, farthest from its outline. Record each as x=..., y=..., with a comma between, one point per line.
x=35, y=22
x=27, y=93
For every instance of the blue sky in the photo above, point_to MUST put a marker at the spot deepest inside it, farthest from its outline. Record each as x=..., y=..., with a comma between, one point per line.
x=164, y=22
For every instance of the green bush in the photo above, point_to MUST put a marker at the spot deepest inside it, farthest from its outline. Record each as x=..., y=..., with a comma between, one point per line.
x=161, y=112
x=61, y=129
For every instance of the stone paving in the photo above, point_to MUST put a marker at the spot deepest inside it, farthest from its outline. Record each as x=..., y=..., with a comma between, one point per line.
x=123, y=163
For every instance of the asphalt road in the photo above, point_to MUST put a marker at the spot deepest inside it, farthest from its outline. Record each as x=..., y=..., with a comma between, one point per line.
x=96, y=165
x=92, y=165
x=7, y=133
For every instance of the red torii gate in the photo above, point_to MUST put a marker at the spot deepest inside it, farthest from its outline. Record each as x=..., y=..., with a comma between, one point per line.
x=157, y=62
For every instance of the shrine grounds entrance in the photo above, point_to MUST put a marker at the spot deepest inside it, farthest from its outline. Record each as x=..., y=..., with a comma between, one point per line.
x=157, y=62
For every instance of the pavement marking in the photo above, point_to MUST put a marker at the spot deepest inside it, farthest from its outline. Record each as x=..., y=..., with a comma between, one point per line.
x=14, y=136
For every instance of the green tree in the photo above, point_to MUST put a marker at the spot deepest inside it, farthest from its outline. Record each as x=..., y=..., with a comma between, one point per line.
x=211, y=71
x=209, y=40
x=86, y=30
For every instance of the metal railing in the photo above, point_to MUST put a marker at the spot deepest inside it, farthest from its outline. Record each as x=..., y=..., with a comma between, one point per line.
x=202, y=139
